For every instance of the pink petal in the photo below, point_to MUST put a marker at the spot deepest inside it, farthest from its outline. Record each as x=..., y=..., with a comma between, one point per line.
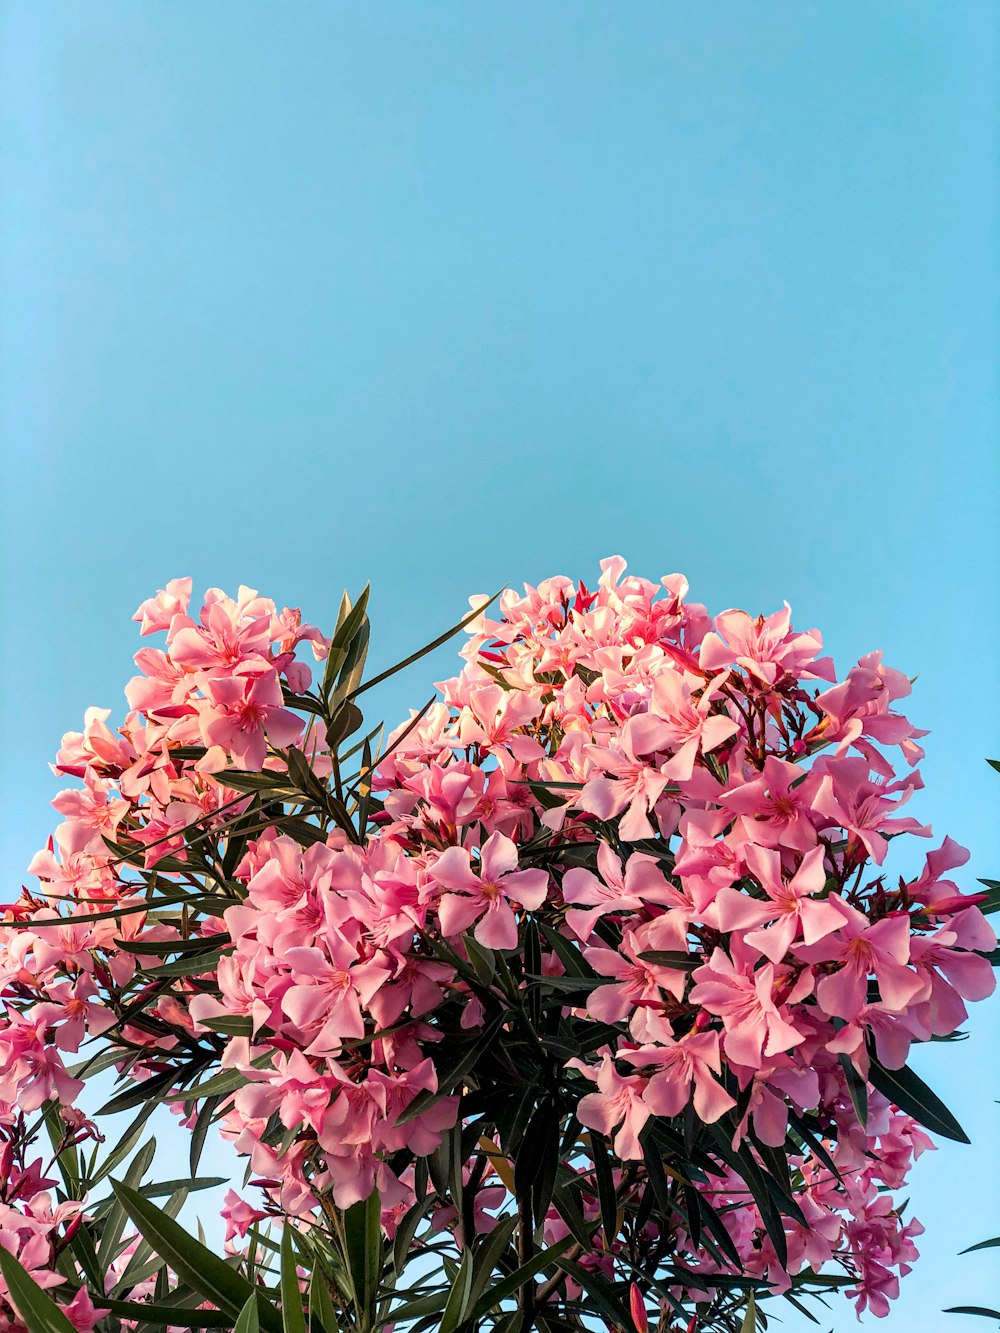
x=498, y=856
x=457, y=911
x=452, y=870
x=528, y=887
x=498, y=928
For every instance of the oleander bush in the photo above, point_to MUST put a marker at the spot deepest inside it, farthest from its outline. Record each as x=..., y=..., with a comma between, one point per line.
x=583, y=999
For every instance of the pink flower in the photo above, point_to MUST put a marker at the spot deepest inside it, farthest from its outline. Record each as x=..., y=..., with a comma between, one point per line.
x=791, y=907
x=744, y=1000
x=774, y=807
x=847, y=797
x=617, y=1103
x=492, y=715
x=244, y=712
x=31, y=1071
x=330, y=987
x=766, y=647
x=486, y=898
x=637, y=982
x=677, y=1067
x=634, y=782
x=642, y=882
x=881, y=950
x=239, y=1216
x=157, y=612
x=689, y=727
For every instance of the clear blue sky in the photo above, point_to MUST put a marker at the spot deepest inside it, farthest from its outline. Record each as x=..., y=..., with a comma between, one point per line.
x=448, y=295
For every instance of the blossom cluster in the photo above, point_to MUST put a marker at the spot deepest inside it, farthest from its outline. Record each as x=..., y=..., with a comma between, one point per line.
x=693, y=811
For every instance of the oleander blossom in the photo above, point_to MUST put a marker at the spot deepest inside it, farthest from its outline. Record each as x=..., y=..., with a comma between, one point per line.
x=624, y=817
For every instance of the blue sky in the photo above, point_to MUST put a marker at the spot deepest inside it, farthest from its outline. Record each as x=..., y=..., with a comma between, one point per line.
x=448, y=295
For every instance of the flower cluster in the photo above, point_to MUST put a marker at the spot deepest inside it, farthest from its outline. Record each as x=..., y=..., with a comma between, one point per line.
x=653, y=843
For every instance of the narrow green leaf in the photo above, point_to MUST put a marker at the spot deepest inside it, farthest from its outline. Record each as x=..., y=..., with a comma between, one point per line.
x=193, y=1263
x=458, y=1297
x=407, y=1229
x=363, y=1239
x=164, y=948
x=912, y=1095
x=983, y=1245
x=347, y=719
x=202, y=1122
x=221, y=1084
x=749, y=1324
x=679, y=962
x=322, y=1315
x=249, y=1319
x=173, y=1186
x=419, y=1307
x=489, y=1254
x=601, y=1294
x=293, y=1318
x=605, y=1188
x=38, y=1310
x=973, y=1309
x=510, y=1284
x=176, y=1315
x=858, y=1089
x=428, y=648
x=192, y=965
x=149, y=1090
x=230, y=1025
x=114, y=1224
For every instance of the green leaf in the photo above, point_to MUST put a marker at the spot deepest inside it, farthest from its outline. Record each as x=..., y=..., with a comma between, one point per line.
x=163, y=948
x=489, y=1254
x=172, y=1186
x=322, y=1315
x=600, y=1294
x=450, y=1078
x=221, y=1084
x=305, y=703
x=605, y=1187
x=857, y=1089
x=749, y=1324
x=202, y=1122
x=983, y=1245
x=190, y=966
x=148, y=1090
x=347, y=719
x=679, y=962
x=570, y=957
x=363, y=1241
x=428, y=1304
x=114, y=1223
x=974, y=1309
x=193, y=1262
x=230, y=1025
x=912, y=1095
x=349, y=622
x=458, y=1297
x=992, y=903
x=38, y=1310
x=428, y=648
x=249, y=1320
x=293, y=1318
x=514, y=1280
x=176, y=1315
x=406, y=1230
